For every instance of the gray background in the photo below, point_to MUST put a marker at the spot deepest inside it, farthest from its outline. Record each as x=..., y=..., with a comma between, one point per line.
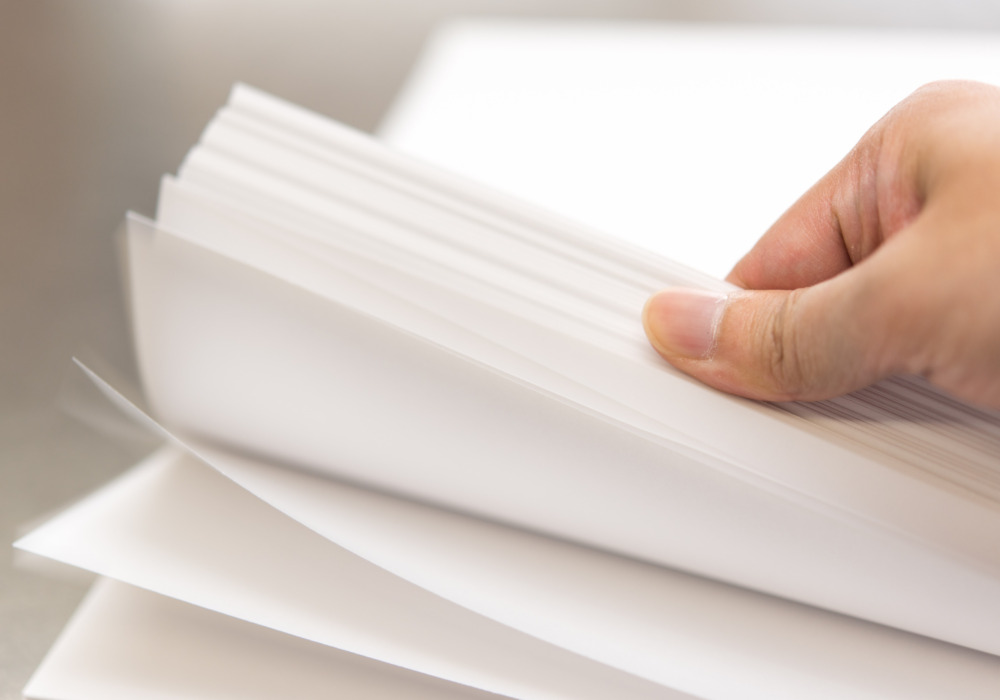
x=98, y=98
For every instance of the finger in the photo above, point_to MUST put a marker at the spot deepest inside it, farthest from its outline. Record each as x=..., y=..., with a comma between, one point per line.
x=803, y=247
x=776, y=345
x=870, y=195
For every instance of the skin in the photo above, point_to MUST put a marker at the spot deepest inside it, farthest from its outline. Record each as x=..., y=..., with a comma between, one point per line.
x=889, y=265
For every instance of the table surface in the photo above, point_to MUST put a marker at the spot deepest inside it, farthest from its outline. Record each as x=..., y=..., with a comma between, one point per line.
x=99, y=99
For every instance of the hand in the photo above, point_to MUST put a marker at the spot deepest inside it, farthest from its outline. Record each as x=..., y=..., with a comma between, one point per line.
x=889, y=265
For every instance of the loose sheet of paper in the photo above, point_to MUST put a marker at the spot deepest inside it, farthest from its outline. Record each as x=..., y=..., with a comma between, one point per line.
x=125, y=643
x=176, y=527
x=160, y=528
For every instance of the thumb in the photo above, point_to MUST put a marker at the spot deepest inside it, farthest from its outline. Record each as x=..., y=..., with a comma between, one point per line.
x=804, y=344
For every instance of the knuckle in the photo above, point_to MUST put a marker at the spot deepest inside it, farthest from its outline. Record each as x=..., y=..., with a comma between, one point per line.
x=787, y=364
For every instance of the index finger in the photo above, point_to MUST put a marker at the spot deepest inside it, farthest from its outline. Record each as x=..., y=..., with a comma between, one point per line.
x=806, y=245
x=839, y=221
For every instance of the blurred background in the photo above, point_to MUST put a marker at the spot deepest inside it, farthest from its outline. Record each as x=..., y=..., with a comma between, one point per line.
x=98, y=98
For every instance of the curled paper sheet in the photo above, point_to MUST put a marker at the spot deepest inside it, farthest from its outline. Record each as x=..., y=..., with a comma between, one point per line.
x=493, y=608
x=123, y=642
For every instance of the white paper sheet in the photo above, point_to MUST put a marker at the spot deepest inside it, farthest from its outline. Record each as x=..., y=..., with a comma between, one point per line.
x=573, y=596
x=708, y=639
x=176, y=527
x=124, y=643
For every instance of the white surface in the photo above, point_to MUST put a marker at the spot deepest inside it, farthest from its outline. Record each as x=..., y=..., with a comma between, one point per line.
x=176, y=527
x=160, y=527
x=686, y=140
x=125, y=643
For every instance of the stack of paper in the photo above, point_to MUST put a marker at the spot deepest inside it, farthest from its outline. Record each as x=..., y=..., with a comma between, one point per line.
x=418, y=444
